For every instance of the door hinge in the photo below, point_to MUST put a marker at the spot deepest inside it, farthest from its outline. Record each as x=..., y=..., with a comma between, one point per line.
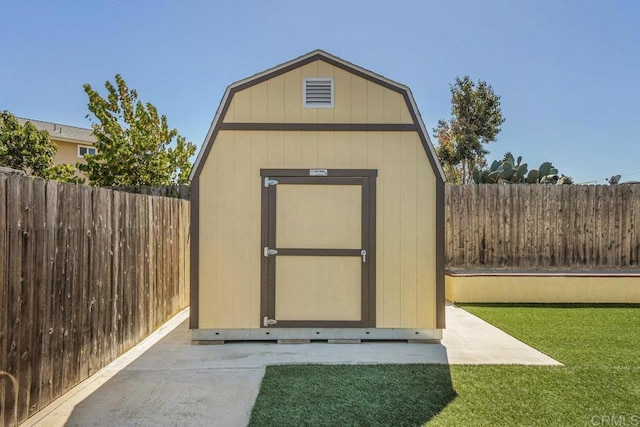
x=268, y=251
x=269, y=182
x=268, y=322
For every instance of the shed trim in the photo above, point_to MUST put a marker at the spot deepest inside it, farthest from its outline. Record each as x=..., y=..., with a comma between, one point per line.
x=194, y=254
x=440, y=251
x=330, y=172
x=322, y=127
x=368, y=233
x=275, y=333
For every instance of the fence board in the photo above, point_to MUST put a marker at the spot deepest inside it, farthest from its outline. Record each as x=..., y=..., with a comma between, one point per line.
x=4, y=380
x=48, y=304
x=14, y=280
x=37, y=252
x=542, y=226
x=80, y=270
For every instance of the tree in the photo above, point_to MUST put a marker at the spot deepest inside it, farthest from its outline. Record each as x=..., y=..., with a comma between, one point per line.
x=475, y=120
x=134, y=145
x=26, y=148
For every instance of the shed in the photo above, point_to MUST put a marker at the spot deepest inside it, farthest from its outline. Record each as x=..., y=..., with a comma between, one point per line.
x=317, y=209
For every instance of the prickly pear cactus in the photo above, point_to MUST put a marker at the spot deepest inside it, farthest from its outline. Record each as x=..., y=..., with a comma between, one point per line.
x=512, y=171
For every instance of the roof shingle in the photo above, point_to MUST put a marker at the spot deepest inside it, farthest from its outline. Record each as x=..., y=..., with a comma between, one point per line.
x=61, y=132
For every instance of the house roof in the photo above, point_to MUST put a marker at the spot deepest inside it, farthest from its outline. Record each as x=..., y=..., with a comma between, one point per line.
x=299, y=62
x=66, y=133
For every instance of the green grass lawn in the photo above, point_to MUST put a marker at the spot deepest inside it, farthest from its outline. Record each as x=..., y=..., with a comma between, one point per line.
x=600, y=346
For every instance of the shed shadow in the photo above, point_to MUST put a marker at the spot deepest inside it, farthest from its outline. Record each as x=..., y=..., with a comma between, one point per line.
x=372, y=395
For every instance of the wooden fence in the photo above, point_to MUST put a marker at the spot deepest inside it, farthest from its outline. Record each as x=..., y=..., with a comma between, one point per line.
x=175, y=191
x=85, y=274
x=542, y=226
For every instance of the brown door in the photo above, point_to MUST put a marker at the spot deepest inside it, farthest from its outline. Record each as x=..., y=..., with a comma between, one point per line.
x=318, y=248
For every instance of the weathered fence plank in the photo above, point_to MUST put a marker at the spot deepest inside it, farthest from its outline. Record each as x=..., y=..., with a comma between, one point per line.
x=48, y=291
x=14, y=280
x=542, y=226
x=80, y=272
x=5, y=382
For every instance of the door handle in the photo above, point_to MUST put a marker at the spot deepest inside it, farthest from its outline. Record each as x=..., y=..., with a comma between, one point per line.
x=363, y=253
x=268, y=251
x=266, y=322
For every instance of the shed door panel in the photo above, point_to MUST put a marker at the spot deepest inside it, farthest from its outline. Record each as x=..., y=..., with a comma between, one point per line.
x=314, y=231
x=319, y=216
x=318, y=288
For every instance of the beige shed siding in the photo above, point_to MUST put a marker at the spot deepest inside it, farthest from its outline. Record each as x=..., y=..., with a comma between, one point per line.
x=230, y=252
x=356, y=100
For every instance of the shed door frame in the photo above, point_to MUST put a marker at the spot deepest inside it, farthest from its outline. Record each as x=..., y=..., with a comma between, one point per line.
x=364, y=177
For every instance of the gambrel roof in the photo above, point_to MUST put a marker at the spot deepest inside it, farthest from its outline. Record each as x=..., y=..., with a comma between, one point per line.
x=320, y=55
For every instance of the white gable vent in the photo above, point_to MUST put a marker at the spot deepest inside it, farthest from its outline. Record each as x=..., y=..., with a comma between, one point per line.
x=318, y=92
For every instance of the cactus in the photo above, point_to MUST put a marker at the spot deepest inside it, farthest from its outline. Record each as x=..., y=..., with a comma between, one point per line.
x=521, y=170
x=545, y=169
x=512, y=170
x=533, y=177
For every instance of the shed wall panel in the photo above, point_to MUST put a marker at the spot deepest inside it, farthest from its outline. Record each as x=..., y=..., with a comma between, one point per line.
x=358, y=153
x=242, y=184
x=425, y=249
x=275, y=156
x=342, y=94
x=308, y=150
x=326, y=149
x=408, y=240
x=275, y=100
x=375, y=103
x=292, y=84
x=390, y=236
x=292, y=144
x=230, y=254
x=225, y=220
x=259, y=105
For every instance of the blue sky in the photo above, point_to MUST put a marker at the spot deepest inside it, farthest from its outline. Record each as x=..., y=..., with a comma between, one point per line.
x=567, y=71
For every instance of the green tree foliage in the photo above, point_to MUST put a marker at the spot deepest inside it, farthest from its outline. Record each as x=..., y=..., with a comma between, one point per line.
x=134, y=145
x=475, y=120
x=513, y=171
x=26, y=148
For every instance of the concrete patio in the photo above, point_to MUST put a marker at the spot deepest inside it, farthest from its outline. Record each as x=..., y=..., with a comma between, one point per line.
x=167, y=381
